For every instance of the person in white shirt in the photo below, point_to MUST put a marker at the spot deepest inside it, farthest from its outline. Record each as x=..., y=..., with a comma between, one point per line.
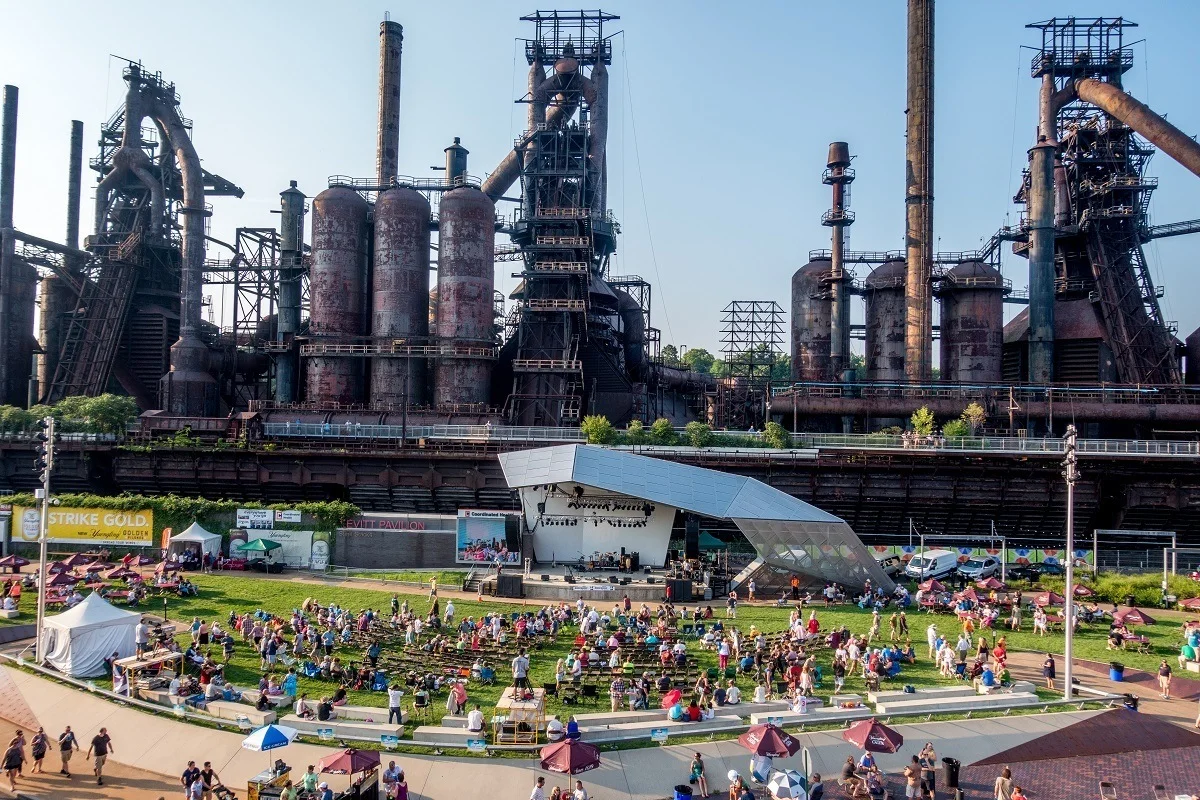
x=680, y=648
x=520, y=669
x=577, y=668
x=554, y=729
x=539, y=792
x=449, y=612
x=394, y=695
x=732, y=695
x=580, y=793
x=141, y=637
x=475, y=720
x=760, y=693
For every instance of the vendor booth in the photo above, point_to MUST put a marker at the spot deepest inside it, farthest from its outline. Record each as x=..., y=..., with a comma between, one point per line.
x=77, y=641
x=193, y=543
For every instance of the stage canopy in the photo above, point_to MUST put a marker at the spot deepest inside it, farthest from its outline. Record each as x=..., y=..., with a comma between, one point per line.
x=787, y=533
x=78, y=640
x=195, y=538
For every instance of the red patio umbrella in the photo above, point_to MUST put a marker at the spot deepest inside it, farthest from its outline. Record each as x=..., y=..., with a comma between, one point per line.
x=144, y=561
x=570, y=757
x=969, y=594
x=1191, y=604
x=931, y=585
x=671, y=698
x=14, y=561
x=769, y=740
x=98, y=566
x=168, y=566
x=991, y=584
x=119, y=573
x=1133, y=616
x=63, y=579
x=874, y=736
x=1082, y=591
x=55, y=567
x=349, y=762
x=1048, y=599
x=77, y=559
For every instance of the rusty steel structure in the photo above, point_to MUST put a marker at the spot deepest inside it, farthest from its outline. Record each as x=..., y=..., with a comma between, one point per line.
x=884, y=290
x=400, y=294
x=387, y=146
x=972, y=339
x=918, y=193
x=812, y=321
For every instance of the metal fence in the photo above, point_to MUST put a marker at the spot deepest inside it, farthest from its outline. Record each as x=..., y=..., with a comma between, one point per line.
x=475, y=433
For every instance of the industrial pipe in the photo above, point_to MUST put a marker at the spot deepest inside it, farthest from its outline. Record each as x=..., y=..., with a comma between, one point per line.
x=291, y=269
x=918, y=297
x=1041, y=262
x=387, y=146
x=131, y=158
x=598, y=143
x=8, y=245
x=56, y=295
x=1137, y=115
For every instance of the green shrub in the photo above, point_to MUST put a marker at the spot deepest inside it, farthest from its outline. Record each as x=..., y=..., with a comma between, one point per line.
x=699, y=434
x=598, y=430
x=955, y=428
x=662, y=432
x=775, y=436
x=1146, y=588
x=636, y=433
x=922, y=421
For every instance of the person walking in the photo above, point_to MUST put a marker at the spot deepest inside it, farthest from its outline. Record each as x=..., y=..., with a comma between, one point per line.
x=1048, y=670
x=190, y=774
x=1164, y=679
x=395, y=693
x=697, y=775
x=1004, y=786
x=101, y=745
x=539, y=789
x=929, y=771
x=14, y=758
x=210, y=780
x=912, y=777
x=67, y=745
x=40, y=744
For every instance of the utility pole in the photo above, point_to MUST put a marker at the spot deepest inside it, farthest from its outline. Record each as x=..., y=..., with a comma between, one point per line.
x=43, y=466
x=1071, y=474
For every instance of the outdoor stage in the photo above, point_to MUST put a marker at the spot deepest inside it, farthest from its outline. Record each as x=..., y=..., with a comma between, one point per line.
x=561, y=582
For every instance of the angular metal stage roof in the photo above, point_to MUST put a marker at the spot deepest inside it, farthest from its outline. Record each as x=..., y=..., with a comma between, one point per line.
x=788, y=534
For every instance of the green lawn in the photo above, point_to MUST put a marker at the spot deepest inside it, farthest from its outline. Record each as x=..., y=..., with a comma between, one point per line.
x=448, y=579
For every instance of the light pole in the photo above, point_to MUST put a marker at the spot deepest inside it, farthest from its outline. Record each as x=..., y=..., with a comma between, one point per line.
x=1071, y=473
x=43, y=465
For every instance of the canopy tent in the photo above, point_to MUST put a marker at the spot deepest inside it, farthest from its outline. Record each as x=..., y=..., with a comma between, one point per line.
x=77, y=641
x=259, y=546
x=196, y=539
x=710, y=542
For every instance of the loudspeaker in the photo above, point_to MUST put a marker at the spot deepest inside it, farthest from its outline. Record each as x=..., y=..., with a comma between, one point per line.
x=509, y=586
x=691, y=537
x=545, y=579
x=651, y=579
x=681, y=591
x=622, y=552
x=512, y=533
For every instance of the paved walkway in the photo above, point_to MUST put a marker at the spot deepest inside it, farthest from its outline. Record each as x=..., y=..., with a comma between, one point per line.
x=162, y=745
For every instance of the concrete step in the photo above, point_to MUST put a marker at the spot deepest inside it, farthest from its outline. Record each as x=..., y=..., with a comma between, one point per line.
x=818, y=716
x=344, y=729
x=962, y=690
x=989, y=702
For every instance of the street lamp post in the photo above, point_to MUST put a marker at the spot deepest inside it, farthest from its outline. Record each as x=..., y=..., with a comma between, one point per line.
x=1071, y=474
x=45, y=463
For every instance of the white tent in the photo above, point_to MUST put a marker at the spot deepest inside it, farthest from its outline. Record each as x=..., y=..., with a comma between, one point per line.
x=78, y=640
x=197, y=539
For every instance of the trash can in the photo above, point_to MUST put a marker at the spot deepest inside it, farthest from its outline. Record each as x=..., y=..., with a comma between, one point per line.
x=950, y=767
x=1129, y=600
x=1130, y=701
x=1116, y=671
x=683, y=792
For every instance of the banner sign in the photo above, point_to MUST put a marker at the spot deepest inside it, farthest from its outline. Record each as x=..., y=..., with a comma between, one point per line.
x=87, y=526
x=255, y=519
x=297, y=546
x=481, y=539
x=287, y=516
x=477, y=745
x=389, y=741
x=1016, y=555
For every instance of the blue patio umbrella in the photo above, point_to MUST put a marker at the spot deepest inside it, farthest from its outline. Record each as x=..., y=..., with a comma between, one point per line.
x=269, y=737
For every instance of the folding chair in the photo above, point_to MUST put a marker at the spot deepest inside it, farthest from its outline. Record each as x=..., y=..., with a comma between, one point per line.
x=1107, y=791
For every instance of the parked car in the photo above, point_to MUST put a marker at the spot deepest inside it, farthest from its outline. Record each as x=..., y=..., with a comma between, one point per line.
x=1032, y=572
x=932, y=564
x=891, y=565
x=979, y=568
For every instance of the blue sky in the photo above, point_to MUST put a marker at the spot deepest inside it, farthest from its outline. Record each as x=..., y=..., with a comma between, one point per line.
x=734, y=105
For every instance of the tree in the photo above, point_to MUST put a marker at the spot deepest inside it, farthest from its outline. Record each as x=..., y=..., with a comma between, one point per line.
x=699, y=360
x=636, y=432
x=110, y=413
x=775, y=435
x=598, y=430
x=781, y=370
x=955, y=428
x=662, y=432
x=670, y=355
x=974, y=415
x=699, y=434
x=922, y=421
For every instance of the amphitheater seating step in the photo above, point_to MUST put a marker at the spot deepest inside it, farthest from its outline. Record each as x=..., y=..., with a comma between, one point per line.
x=344, y=729
x=989, y=702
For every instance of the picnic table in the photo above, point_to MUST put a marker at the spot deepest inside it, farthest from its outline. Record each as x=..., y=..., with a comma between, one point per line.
x=1142, y=643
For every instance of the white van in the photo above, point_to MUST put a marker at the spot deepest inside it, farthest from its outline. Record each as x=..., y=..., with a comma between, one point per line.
x=932, y=564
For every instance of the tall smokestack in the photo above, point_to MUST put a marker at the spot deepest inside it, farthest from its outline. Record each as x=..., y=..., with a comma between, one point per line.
x=74, y=184
x=1040, y=210
x=919, y=193
x=54, y=296
x=839, y=175
x=391, y=43
x=8, y=169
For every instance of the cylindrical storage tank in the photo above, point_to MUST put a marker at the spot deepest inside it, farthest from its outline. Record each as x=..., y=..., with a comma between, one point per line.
x=57, y=300
x=337, y=287
x=1192, y=345
x=466, y=281
x=885, y=321
x=972, y=323
x=633, y=329
x=400, y=295
x=811, y=318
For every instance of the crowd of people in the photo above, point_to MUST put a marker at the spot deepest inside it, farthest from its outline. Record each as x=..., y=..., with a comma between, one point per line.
x=39, y=746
